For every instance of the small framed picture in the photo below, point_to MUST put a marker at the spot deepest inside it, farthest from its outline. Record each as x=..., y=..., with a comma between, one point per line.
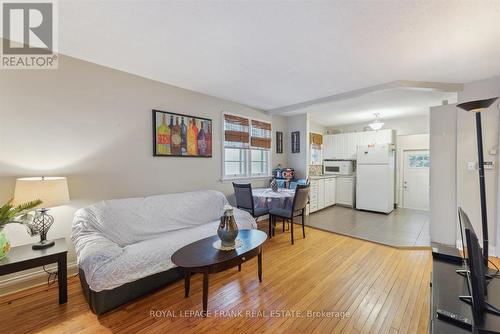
x=296, y=142
x=279, y=142
x=177, y=135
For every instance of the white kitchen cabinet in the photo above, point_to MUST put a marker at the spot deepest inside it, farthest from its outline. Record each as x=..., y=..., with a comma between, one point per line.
x=327, y=192
x=321, y=194
x=327, y=146
x=367, y=138
x=385, y=137
x=336, y=147
x=313, y=196
x=352, y=145
x=330, y=191
x=345, y=145
x=345, y=190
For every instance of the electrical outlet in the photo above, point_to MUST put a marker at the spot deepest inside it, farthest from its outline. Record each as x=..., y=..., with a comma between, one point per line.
x=471, y=165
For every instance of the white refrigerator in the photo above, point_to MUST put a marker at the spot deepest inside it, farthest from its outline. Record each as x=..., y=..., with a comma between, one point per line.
x=375, y=178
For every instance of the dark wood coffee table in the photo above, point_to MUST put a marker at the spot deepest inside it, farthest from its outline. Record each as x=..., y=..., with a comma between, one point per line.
x=202, y=257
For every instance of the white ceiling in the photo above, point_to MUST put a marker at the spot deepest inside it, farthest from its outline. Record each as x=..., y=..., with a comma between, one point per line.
x=270, y=54
x=389, y=103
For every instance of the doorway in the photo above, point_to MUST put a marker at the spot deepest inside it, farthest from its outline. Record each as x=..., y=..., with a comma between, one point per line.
x=416, y=179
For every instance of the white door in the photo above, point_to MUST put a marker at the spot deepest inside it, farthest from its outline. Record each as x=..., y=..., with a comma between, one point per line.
x=416, y=180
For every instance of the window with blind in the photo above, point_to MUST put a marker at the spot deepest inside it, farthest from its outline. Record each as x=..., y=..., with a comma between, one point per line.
x=247, y=145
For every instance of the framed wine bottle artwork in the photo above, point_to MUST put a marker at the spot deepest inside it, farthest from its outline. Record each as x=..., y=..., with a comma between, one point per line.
x=178, y=135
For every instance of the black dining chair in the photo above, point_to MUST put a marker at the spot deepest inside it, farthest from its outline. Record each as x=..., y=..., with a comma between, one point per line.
x=298, y=209
x=244, y=200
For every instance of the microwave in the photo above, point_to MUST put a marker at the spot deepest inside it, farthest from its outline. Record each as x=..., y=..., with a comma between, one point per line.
x=340, y=167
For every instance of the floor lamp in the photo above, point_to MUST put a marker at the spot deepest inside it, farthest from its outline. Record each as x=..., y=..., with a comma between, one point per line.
x=477, y=107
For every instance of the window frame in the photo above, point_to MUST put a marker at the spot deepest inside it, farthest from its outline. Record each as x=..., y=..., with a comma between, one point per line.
x=266, y=161
x=245, y=162
x=248, y=154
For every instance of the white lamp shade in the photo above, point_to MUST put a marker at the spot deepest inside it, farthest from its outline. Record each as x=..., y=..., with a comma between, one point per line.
x=52, y=191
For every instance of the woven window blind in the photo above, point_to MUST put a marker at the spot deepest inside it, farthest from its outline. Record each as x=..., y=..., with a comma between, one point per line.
x=236, y=131
x=261, y=135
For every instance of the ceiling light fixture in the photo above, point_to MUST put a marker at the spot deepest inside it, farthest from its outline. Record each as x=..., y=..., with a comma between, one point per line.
x=377, y=124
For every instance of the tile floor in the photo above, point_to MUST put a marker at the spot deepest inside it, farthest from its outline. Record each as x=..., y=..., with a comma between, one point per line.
x=400, y=228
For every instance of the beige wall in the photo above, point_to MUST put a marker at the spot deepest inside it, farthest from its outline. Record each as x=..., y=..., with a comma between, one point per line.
x=316, y=127
x=443, y=174
x=279, y=123
x=298, y=161
x=93, y=125
x=454, y=138
x=467, y=180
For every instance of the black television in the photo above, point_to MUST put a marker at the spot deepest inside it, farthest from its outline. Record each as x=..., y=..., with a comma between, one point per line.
x=476, y=279
x=465, y=224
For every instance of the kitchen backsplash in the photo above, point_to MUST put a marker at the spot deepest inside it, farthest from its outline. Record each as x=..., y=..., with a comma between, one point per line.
x=315, y=170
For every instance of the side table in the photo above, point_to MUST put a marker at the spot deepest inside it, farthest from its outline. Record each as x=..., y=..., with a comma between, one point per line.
x=24, y=257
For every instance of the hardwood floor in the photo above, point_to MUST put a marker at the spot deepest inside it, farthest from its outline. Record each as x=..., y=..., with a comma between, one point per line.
x=378, y=289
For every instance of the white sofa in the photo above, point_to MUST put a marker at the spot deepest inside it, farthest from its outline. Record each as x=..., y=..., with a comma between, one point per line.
x=124, y=246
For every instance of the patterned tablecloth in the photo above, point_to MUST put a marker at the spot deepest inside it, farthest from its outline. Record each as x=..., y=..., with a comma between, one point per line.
x=267, y=198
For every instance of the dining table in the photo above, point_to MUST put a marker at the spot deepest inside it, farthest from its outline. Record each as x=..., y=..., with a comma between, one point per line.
x=270, y=199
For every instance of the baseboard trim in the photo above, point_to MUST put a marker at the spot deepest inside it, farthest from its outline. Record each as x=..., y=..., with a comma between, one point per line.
x=31, y=279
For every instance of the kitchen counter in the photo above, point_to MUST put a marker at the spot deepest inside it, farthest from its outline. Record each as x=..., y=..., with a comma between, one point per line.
x=330, y=189
x=319, y=177
x=328, y=176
